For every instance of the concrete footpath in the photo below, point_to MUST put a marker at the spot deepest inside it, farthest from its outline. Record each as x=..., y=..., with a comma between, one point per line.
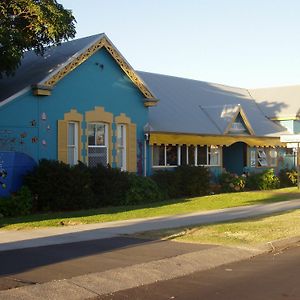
x=19, y=239
x=120, y=278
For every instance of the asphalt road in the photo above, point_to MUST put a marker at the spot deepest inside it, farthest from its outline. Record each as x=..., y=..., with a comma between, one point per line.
x=28, y=266
x=268, y=276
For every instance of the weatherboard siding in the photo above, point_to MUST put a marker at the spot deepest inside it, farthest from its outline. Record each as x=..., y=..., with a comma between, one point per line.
x=97, y=82
x=19, y=125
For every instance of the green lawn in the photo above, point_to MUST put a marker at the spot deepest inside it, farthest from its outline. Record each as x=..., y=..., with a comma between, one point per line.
x=250, y=232
x=171, y=207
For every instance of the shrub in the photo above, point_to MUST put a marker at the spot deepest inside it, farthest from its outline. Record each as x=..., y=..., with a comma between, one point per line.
x=265, y=180
x=109, y=185
x=194, y=181
x=142, y=190
x=19, y=204
x=288, y=177
x=58, y=186
x=184, y=181
x=232, y=182
x=169, y=183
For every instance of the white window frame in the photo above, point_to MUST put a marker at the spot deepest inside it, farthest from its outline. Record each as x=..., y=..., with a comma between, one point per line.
x=106, y=143
x=123, y=147
x=263, y=154
x=75, y=146
x=165, y=165
x=271, y=158
x=208, y=153
x=194, y=163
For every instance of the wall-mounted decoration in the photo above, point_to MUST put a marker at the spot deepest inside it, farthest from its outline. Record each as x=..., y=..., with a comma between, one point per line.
x=44, y=116
x=34, y=140
x=33, y=123
x=48, y=128
x=23, y=135
x=3, y=174
x=44, y=143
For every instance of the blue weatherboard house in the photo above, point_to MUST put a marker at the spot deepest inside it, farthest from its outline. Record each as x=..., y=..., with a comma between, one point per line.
x=83, y=101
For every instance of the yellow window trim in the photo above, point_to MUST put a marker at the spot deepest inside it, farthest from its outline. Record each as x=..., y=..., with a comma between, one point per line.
x=99, y=115
x=71, y=116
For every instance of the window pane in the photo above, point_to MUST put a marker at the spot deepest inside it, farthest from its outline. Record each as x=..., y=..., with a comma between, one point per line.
x=100, y=135
x=172, y=156
x=91, y=134
x=158, y=155
x=120, y=135
x=214, y=156
x=121, y=146
x=202, y=155
x=96, y=135
x=191, y=155
x=273, y=157
x=120, y=155
x=71, y=133
x=183, y=150
x=262, y=158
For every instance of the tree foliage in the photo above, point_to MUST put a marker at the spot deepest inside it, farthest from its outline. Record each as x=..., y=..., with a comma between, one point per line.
x=31, y=25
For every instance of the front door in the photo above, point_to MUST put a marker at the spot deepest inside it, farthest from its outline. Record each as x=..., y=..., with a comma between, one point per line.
x=235, y=158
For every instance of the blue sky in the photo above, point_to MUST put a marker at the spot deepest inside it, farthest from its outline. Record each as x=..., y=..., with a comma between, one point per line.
x=244, y=43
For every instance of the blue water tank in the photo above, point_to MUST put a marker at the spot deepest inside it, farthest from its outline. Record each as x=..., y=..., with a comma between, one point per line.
x=13, y=166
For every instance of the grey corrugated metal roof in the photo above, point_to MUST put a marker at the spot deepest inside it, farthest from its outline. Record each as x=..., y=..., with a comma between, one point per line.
x=279, y=102
x=186, y=105
x=221, y=115
x=191, y=106
x=35, y=68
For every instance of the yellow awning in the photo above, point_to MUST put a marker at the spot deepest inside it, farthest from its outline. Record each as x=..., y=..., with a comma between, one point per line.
x=190, y=139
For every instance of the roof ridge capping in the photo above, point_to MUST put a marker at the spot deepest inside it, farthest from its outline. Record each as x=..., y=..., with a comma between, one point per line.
x=82, y=55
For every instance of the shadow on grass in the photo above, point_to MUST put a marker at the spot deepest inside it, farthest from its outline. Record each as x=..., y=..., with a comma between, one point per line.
x=275, y=197
x=219, y=201
x=85, y=213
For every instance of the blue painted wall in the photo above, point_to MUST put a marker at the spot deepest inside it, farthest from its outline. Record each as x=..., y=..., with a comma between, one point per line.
x=19, y=125
x=82, y=89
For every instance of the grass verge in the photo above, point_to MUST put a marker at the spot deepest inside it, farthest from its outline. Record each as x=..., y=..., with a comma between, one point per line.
x=163, y=208
x=249, y=232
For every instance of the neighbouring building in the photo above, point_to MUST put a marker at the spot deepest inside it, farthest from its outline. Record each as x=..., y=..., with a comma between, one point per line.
x=83, y=101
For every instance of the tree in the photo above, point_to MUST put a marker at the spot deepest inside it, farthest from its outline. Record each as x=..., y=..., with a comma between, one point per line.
x=31, y=25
